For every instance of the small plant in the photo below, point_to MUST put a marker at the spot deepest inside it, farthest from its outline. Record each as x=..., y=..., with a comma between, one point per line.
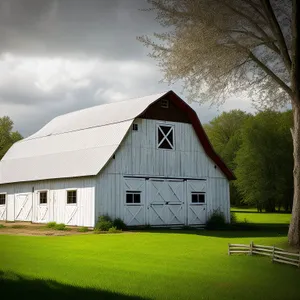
x=51, y=225
x=233, y=218
x=60, y=226
x=114, y=230
x=104, y=223
x=18, y=226
x=216, y=220
x=82, y=229
x=2, y=226
x=119, y=224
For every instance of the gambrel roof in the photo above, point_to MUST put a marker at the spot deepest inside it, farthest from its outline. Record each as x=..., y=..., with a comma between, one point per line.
x=81, y=143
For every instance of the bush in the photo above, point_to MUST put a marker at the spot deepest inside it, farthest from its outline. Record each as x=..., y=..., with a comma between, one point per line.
x=216, y=220
x=233, y=218
x=2, y=226
x=60, y=226
x=51, y=225
x=104, y=223
x=114, y=230
x=82, y=229
x=119, y=224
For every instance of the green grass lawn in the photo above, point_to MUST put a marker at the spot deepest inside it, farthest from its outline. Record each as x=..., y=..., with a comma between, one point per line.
x=252, y=216
x=148, y=265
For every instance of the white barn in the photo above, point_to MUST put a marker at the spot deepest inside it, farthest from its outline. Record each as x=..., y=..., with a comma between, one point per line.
x=147, y=161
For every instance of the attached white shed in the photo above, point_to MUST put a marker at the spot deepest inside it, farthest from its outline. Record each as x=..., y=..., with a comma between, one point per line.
x=146, y=161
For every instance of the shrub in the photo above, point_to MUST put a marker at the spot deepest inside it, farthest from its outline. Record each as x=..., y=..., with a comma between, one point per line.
x=119, y=224
x=2, y=226
x=104, y=223
x=114, y=230
x=233, y=218
x=60, y=226
x=216, y=220
x=82, y=229
x=51, y=224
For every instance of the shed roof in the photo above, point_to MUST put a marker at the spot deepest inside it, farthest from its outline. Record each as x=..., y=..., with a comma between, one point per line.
x=80, y=143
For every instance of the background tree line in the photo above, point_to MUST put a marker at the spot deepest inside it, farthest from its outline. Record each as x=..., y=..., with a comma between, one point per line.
x=259, y=149
x=7, y=136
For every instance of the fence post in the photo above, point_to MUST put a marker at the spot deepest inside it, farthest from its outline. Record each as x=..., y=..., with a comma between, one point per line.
x=273, y=253
x=251, y=248
x=228, y=249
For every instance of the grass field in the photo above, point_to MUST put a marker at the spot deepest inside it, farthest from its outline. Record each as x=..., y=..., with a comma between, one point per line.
x=252, y=216
x=147, y=265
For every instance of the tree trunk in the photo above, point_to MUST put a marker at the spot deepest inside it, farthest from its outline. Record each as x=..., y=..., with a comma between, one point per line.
x=294, y=230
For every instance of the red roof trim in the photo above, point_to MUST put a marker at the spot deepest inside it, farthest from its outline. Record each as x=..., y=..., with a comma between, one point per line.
x=208, y=148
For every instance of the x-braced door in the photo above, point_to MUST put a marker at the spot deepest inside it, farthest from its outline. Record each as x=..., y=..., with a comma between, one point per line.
x=165, y=202
x=134, y=201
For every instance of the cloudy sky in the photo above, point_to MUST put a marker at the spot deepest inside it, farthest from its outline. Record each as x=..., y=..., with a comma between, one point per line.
x=58, y=56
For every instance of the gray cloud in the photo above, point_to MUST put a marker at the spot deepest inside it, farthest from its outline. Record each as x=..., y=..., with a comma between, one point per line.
x=58, y=56
x=106, y=28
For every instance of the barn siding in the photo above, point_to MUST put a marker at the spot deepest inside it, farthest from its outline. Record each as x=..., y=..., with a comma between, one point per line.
x=139, y=156
x=58, y=210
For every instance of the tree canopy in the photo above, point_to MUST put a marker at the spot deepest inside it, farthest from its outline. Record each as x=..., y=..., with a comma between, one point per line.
x=7, y=136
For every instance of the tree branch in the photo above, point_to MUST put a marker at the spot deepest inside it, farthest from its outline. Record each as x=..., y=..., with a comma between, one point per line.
x=275, y=27
x=268, y=71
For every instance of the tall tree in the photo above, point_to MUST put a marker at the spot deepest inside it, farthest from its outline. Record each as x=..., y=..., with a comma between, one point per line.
x=7, y=136
x=224, y=133
x=265, y=161
x=221, y=47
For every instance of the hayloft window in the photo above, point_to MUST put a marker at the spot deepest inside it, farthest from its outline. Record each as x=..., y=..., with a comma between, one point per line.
x=71, y=197
x=165, y=137
x=135, y=127
x=133, y=197
x=2, y=199
x=198, y=198
x=164, y=103
x=43, y=197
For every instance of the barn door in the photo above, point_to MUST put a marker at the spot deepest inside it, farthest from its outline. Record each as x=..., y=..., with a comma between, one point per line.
x=165, y=202
x=23, y=207
x=42, y=202
x=197, y=202
x=134, y=201
x=3, y=206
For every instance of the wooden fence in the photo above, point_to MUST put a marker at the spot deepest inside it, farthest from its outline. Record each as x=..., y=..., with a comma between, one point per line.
x=277, y=254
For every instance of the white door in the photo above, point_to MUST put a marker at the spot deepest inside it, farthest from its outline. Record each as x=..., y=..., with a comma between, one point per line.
x=165, y=202
x=134, y=201
x=197, y=202
x=23, y=207
x=42, y=204
x=3, y=209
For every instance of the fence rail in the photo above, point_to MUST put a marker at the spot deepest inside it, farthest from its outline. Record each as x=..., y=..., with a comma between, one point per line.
x=277, y=254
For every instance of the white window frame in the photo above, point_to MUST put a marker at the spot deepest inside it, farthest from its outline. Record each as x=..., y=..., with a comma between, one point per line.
x=164, y=103
x=41, y=191
x=133, y=192
x=198, y=203
x=71, y=190
x=5, y=198
x=172, y=128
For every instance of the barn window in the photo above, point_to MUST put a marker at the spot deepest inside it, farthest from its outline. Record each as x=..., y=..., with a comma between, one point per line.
x=165, y=137
x=198, y=198
x=2, y=199
x=164, y=103
x=72, y=197
x=43, y=197
x=133, y=197
x=135, y=127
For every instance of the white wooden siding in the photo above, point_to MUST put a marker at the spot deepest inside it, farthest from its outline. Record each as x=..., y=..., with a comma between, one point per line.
x=81, y=214
x=138, y=156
